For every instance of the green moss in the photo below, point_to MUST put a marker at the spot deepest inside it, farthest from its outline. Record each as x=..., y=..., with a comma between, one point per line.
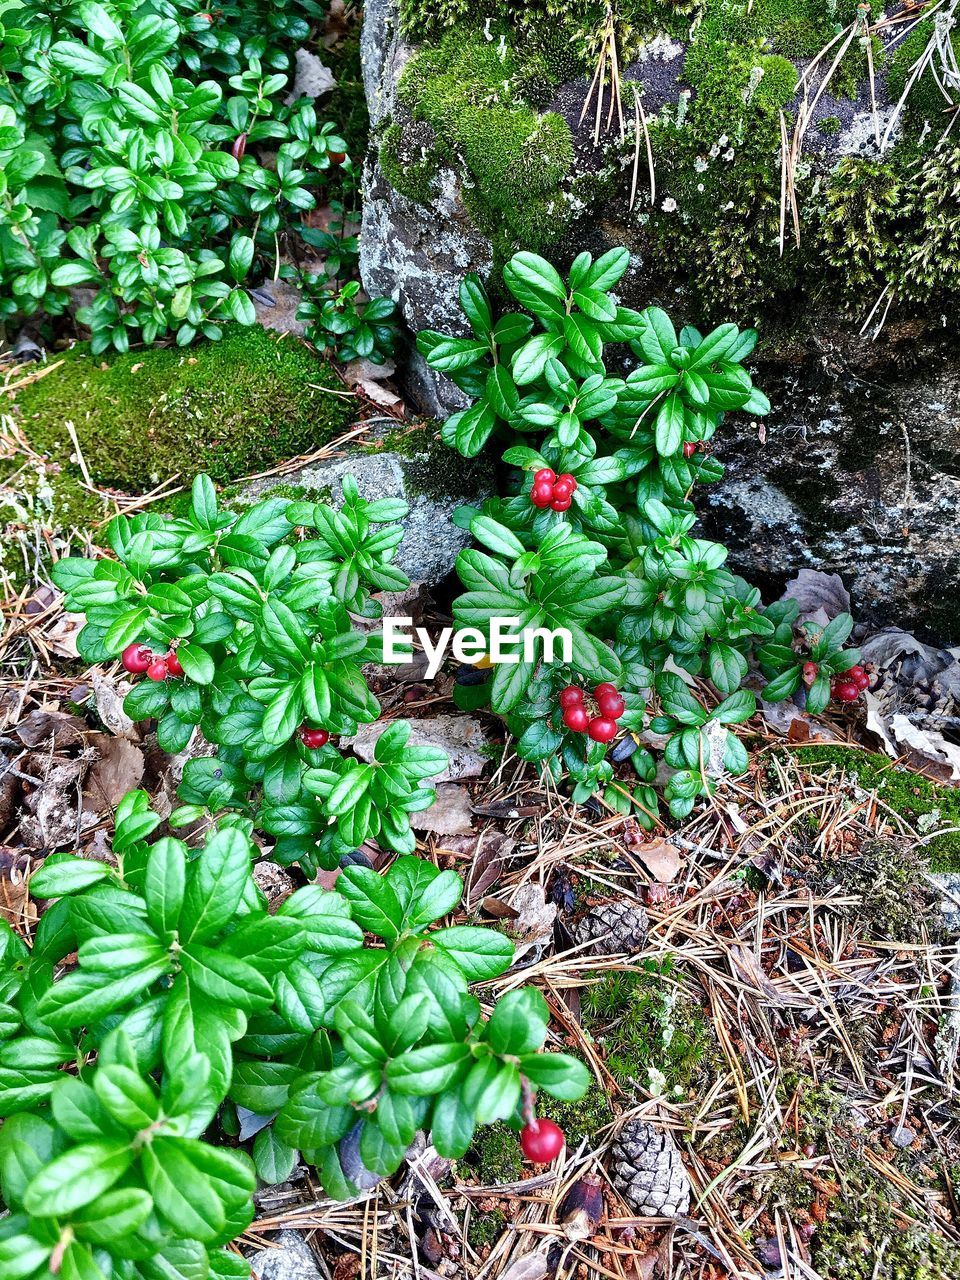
x=474, y=93
x=495, y=1155
x=927, y=805
x=42, y=504
x=486, y=1227
x=869, y=1236
x=830, y=126
x=651, y=1030
x=582, y=1120
x=410, y=167
x=228, y=408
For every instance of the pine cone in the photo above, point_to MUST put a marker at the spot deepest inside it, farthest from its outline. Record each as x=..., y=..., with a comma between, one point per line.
x=648, y=1172
x=614, y=927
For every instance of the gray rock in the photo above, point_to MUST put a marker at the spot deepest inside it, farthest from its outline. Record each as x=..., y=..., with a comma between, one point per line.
x=461, y=737
x=418, y=255
x=854, y=477
x=290, y=1258
x=383, y=55
x=430, y=477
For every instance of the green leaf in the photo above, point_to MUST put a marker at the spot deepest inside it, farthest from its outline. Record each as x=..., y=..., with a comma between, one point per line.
x=373, y=903
x=561, y=1075
x=669, y=426
x=216, y=885
x=114, y=1215
x=479, y=953
x=274, y=1160
x=76, y=1178
x=223, y=977
x=197, y=664
x=426, y=1071
x=66, y=874
x=518, y=1023
x=125, y=1096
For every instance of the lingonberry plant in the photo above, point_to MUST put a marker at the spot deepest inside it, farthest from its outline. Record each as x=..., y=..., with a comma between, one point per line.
x=243, y=629
x=596, y=535
x=155, y=158
x=189, y=1000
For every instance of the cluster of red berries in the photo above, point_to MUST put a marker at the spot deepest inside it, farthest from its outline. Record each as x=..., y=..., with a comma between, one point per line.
x=313, y=738
x=137, y=658
x=541, y=1140
x=848, y=685
x=551, y=490
x=602, y=727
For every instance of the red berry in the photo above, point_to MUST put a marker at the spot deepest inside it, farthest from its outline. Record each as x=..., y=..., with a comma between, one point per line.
x=313, y=738
x=541, y=494
x=541, y=1141
x=601, y=729
x=571, y=696
x=689, y=448
x=136, y=657
x=846, y=691
x=561, y=502
x=862, y=681
x=576, y=718
x=157, y=670
x=544, y=476
x=603, y=689
x=173, y=664
x=612, y=705
x=562, y=489
x=567, y=478
x=810, y=670
x=336, y=157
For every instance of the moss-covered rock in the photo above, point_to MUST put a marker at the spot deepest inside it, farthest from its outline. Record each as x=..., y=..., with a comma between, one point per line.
x=227, y=408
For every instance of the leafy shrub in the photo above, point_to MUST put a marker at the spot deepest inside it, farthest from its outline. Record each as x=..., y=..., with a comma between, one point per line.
x=110, y=126
x=261, y=628
x=647, y=603
x=348, y=327
x=189, y=999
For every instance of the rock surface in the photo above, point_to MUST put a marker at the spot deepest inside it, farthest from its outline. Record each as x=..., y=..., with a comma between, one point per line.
x=858, y=474
x=290, y=1258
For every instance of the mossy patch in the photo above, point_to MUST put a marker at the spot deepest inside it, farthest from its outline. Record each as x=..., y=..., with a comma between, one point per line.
x=927, y=805
x=227, y=408
x=475, y=94
x=653, y=1032
x=867, y=1236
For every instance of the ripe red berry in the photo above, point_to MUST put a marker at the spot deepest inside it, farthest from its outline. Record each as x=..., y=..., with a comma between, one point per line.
x=612, y=705
x=313, y=738
x=604, y=688
x=862, y=681
x=567, y=478
x=571, y=696
x=337, y=157
x=563, y=489
x=810, y=670
x=136, y=658
x=689, y=448
x=561, y=502
x=846, y=691
x=541, y=494
x=576, y=718
x=541, y=1141
x=602, y=729
x=544, y=476
x=157, y=670
x=173, y=664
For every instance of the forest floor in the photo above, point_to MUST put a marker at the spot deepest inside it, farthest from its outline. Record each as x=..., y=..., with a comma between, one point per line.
x=780, y=992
